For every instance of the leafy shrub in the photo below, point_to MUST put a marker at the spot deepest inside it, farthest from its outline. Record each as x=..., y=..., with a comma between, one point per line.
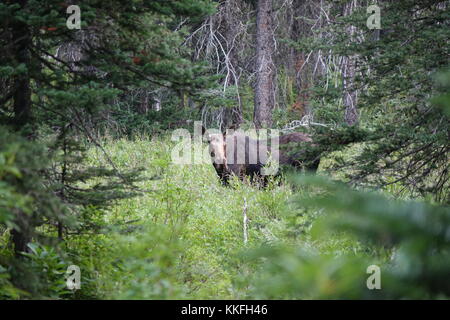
x=408, y=240
x=46, y=264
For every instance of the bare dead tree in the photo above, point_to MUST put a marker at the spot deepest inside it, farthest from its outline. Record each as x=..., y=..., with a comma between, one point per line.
x=348, y=74
x=221, y=39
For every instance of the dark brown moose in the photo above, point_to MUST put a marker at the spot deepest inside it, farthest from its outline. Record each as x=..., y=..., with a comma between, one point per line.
x=235, y=153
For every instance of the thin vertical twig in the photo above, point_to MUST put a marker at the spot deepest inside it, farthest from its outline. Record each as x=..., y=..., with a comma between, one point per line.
x=245, y=220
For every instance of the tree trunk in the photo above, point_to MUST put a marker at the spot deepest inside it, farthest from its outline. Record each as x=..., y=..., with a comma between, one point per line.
x=22, y=95
x=228, y=20
x=231, y=32
x=21, y=40
x=265, y=68
x=143, y=101
x=350, y=95
x=348, y=75
x=302, y=75
x=22, y=235
x=182, y=96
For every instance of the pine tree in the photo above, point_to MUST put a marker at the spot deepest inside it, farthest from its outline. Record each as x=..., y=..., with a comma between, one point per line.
x=406, y=138
x=265, y=73
x=54, y=83
x=406, y=242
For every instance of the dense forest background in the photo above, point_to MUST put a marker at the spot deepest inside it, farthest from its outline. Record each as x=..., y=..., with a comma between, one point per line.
x=86, y=177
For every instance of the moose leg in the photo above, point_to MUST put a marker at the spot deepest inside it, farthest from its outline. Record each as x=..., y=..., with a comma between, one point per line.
x=222, y=173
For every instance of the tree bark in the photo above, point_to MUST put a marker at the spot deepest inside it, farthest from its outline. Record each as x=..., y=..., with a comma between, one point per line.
x=22, y=95
x=231, y=31
x=350, y=95
x=265, y=68
x=351, y=116
x=22, y=235
x=21, y=40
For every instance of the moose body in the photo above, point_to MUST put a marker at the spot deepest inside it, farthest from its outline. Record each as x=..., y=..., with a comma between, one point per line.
x=240, y=155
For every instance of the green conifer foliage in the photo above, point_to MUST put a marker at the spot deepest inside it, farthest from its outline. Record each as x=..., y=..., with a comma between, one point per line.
x=55, y=83
x=406, y=137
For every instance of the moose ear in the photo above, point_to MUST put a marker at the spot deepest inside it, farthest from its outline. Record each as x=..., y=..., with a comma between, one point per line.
x=203, y=129
x=230, y=129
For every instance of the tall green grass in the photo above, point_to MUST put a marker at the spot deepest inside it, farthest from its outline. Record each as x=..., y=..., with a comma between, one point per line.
x=183, y=237
x=186, y=236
